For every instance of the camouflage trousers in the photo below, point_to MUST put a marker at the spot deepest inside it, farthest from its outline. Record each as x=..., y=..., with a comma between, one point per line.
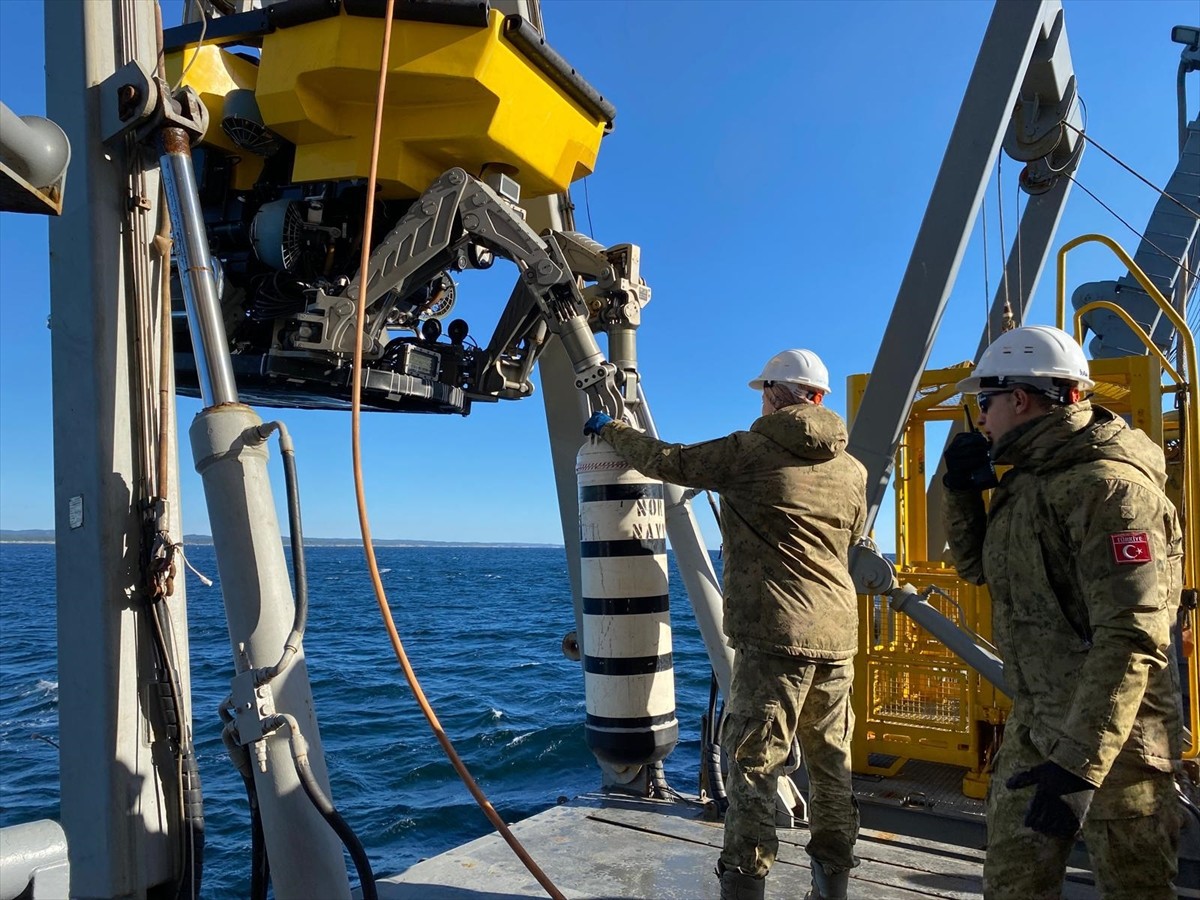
x=1131, y=833
x=774, y=699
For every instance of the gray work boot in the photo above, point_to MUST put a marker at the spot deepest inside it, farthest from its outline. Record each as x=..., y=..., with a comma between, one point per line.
x=736, y=885
x=827, y=884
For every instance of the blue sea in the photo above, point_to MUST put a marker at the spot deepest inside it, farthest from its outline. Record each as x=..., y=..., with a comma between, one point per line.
x=482, y=627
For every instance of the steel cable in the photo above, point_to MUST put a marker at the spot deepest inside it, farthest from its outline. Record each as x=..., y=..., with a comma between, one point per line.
x=1128, y=168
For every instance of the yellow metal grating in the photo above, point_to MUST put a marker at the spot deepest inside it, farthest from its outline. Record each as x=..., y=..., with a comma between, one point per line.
x=913, y=679
x=902, y=693
x=1106, y=392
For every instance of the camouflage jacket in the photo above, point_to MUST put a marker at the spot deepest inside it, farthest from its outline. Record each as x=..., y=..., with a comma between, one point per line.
x=1081, y=552
x=792, y=503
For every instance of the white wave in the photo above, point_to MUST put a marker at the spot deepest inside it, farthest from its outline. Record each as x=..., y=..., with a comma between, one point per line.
x=384, y=571
x=521, y=738
x=43, y=686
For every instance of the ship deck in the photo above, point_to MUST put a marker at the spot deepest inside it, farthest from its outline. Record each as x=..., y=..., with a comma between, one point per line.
x=605, y=846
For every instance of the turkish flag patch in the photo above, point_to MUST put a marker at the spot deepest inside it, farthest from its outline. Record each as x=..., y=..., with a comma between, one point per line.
x=1130, y=547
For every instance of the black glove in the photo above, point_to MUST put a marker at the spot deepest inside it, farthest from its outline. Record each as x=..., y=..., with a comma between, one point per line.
x=1060, y=802
x=969, y=463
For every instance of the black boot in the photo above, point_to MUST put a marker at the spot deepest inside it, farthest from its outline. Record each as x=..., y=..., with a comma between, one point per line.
x=736, y=885
x=828, y=885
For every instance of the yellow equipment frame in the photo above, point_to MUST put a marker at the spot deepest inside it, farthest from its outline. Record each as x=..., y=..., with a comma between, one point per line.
x=913, y=698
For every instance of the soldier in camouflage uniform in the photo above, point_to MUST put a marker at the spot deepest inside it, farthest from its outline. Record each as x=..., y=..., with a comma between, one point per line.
x=792, y=503
x=1081, y=552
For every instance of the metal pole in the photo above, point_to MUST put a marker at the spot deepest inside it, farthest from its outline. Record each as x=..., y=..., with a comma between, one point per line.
x=305, y=853
x=209, y=343
x=231, y=457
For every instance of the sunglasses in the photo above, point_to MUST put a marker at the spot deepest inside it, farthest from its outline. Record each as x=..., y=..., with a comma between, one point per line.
x=985, y=400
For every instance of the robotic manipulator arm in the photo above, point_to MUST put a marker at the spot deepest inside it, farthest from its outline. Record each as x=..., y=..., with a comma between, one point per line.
x=461, y=222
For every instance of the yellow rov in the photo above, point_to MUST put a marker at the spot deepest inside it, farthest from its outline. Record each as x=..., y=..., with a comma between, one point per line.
x=479, y=90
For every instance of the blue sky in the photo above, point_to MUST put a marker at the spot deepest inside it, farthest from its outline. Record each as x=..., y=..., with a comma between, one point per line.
x=772, y=159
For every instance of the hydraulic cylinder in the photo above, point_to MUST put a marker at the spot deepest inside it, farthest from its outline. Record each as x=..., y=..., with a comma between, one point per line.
x=231, y=457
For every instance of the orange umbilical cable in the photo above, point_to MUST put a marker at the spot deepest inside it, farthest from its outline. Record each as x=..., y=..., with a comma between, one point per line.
x=360, y=493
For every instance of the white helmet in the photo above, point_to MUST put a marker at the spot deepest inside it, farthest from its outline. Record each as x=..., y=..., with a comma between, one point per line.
x=1037, y=355
x=802, y=367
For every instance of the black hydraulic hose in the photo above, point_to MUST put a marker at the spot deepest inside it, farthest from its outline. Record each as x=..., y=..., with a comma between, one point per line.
x=712, y=747
x=191, y=797
x=296, y=535
x=260, y=864
x=193, y=806
x=325, y=807
x=299, y=571
x=341, y=827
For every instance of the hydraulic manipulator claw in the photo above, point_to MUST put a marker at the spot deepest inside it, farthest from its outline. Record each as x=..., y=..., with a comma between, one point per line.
x=566, y=312
x=458, y=211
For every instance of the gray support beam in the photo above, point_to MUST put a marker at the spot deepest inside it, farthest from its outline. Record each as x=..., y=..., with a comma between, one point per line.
x=1026, y=261
x=113, y=806
x=908, y=340
x=1027, y=258
x=566, y=411
x=565, y=405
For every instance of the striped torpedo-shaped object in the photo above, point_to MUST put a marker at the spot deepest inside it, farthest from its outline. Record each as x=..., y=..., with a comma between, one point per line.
x=629, y=682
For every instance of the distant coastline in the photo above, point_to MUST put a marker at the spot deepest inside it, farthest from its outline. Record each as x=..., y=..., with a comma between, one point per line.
x=46, y=536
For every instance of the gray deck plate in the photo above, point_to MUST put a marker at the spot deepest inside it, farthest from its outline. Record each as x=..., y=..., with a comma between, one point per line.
x=601, y=847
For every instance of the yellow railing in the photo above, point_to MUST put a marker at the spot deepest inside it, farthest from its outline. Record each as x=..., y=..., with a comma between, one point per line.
x=1189, y=433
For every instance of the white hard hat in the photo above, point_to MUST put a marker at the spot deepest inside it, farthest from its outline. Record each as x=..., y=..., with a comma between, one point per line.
x=802, y=367
x=1034, y=354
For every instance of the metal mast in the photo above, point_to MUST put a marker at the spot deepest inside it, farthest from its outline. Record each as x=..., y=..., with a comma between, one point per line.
x=116, y=772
